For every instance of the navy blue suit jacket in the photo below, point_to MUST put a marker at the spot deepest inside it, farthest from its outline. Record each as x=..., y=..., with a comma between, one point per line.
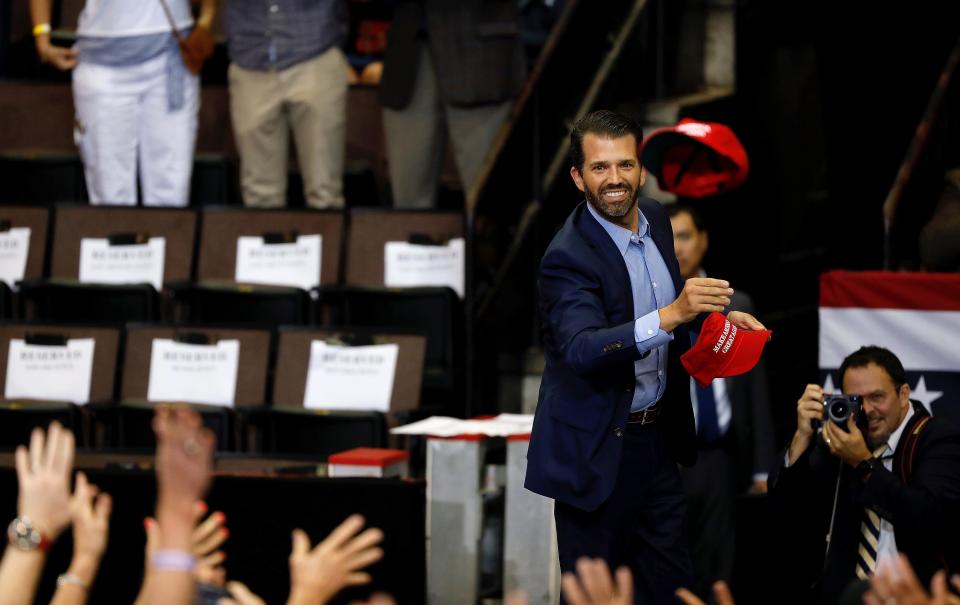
x=586, y=305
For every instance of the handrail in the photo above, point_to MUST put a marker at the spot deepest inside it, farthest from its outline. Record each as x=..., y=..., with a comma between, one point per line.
x=609, y=61
x=920, y=138
x=532, y=209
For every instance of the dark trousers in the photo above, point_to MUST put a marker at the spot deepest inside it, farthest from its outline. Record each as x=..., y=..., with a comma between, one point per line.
x=643, y=524
x=710, y=486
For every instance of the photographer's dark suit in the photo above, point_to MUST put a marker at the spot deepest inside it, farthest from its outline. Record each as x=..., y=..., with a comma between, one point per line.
x=925, y=512
x=726, y=468
x=616, y=485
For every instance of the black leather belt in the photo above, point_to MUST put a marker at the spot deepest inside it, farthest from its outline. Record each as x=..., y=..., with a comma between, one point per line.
x=645, y=416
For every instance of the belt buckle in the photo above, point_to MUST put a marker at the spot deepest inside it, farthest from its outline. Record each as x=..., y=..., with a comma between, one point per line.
x=649, y=415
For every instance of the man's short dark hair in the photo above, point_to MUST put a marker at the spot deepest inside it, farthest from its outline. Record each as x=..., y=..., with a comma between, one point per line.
x=677, y=209
x=604, y=123
x=884, y=358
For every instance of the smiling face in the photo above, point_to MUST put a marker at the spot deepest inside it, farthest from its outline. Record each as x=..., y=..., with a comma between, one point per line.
x=884, y=404
x=610, y=177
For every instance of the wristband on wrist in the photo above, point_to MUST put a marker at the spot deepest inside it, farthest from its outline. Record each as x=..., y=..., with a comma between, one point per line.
x=72, y=580
x=173, y=560
x=41, y=29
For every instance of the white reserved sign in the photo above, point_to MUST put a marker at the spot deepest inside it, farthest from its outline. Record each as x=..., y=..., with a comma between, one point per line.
x=122, y=264
x=14, y=248
x=411, y=265
x=55, y=373
x=193, y=373
x=350, y=378
x=295, y=264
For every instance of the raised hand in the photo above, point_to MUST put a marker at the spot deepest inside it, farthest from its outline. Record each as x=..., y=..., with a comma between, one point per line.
x=184, y=458
x=43, y=479
x=90, y=513
x=208, y=536
x=240, y=595
x=318, y=574
x=721, y=593
x=593, y=585
x=896, y=584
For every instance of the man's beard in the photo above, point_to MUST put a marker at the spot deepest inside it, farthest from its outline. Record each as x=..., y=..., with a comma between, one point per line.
x=613, y=211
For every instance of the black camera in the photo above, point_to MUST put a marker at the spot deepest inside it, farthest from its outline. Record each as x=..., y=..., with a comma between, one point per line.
x=839, y=408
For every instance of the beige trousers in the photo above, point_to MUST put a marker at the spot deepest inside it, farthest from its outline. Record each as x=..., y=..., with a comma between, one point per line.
x=416, y=139
x=308, y=98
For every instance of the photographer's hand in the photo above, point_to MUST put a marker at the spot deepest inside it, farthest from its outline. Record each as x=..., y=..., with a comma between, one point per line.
x=848, y=446
x=809, y=408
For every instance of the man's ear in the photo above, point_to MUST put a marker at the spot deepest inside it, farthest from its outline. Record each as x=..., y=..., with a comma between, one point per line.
x=904, y=394
x=577, y=177
x=643, y=176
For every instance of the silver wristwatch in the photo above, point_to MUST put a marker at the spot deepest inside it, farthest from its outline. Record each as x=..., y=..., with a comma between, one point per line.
x=24, y=536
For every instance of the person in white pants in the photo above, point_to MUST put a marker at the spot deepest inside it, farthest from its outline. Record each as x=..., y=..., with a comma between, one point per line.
x=136, y=104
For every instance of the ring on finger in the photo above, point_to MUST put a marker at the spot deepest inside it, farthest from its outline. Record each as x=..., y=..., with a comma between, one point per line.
x=191, y=447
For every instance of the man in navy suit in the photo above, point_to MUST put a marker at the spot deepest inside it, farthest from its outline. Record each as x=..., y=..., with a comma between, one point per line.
x=614, y=416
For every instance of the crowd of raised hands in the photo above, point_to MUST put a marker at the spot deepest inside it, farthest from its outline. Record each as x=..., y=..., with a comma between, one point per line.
x=183, y=540
x=183, y=543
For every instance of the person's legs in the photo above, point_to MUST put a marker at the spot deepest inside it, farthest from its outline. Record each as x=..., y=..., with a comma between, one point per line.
x=261, y=134
x=168, y=135
x=106, y=131
x=641, y=525
x=659, y=540
x=415, y=139
x=316, y=105
x=711, y=500
x=472, y=133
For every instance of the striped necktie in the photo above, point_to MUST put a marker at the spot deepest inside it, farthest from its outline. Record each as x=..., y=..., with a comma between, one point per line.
x=869, y=534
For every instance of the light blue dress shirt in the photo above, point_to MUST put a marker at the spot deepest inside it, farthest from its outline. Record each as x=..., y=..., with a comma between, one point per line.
x=652, y=289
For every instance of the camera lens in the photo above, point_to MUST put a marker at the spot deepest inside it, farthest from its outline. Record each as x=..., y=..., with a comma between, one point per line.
x=839, y=410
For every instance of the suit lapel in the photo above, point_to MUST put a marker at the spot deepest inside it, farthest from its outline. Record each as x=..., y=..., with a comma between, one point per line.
x=919, y=412
x=598, y=239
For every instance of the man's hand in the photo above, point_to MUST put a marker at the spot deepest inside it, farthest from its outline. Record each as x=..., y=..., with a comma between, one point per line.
x=592, y=584
x=744, y=321
x=316, y=575
x=848, y=446
x=43, y=478
x=90, y=513
x=721, y=592
x=897, y=584
x=699, y=295
x=809, y=408
x=63, y=59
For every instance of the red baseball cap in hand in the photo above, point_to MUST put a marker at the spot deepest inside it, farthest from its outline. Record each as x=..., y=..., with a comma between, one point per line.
x=722, y=349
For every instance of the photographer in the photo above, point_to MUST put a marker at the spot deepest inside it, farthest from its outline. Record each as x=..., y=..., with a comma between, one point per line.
x=884, y=479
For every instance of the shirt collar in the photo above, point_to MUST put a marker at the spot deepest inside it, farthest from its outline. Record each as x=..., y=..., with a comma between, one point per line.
x=895, y=436
x=622, y=236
